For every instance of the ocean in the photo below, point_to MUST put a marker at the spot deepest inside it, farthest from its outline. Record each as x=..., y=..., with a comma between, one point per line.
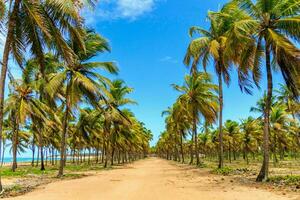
x=9, y=159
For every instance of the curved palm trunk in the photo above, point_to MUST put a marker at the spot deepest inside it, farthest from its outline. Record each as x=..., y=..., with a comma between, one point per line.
x=65, y=129
x=9, y=37
x=221, y=155
x=264, y=172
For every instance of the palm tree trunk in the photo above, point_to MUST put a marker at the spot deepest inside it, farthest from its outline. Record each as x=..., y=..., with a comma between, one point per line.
x=112, y=154
x=15, y=143
x=103, y=151
x=181, y=147
x=65, y=129
x=234, y=153
x=106, y=154
x=264, y=172
x=196, y=138
x=41, y=150
x=52, y=157
x=33, y=151
x=38, y=157
x=3, y=152
x=6, y=51
x=46, y=156
x=97, y=154
x=192, y=150
x=229, y=151
x=221, y=156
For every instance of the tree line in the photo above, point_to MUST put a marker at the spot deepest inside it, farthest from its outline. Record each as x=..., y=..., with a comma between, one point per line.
x=248, y=36
x=63, y=105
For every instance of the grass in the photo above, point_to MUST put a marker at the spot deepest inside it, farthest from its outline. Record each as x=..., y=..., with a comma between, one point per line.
x=225, y=171
x=286, y=180
x=24, y=171
x=27, y=170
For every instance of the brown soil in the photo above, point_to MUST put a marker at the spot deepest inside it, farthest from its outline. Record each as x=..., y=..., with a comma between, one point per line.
x=153, y=179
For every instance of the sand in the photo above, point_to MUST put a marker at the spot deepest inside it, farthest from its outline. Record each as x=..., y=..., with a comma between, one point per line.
x=152, y=179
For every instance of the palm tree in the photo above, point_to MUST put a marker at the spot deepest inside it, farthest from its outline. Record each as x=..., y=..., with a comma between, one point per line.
x=118, y=92
x=213, y=44
x=34, y=25
x=272, y=26
x=199, y=98
x=285, y=96
x=232, y=130
x=32, y=75
x=81, y=81
x=181, y=117
x=278, y=128
x=250, y=128
x=20, y=105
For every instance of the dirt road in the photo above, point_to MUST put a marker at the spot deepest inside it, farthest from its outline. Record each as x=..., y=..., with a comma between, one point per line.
x=151, y=179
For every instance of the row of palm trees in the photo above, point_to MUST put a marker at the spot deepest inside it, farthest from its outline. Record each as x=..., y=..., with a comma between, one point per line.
x=63, y=103
x=241, y=137
x=242, y=35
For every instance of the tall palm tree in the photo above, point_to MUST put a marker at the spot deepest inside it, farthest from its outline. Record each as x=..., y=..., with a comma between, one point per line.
x=213, y=44
x=81, y=81
x=272, y=26
x=34, y=25
x=200, y=100
x=38, y=79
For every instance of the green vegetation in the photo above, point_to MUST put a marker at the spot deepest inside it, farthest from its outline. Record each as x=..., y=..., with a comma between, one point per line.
x=223, y=171
x=27, y=170
x=63, y=108
x=287, y=179
x=244, y=35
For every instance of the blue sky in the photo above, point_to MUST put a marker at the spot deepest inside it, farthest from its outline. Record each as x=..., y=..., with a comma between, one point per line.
x=149, y=39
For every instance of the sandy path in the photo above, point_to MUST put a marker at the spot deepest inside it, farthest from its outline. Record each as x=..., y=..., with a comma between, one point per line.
x=150, y=179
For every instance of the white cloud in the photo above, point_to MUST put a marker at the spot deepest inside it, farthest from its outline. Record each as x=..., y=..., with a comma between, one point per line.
x=119, y=9
x=134, y=8
x=168, y=59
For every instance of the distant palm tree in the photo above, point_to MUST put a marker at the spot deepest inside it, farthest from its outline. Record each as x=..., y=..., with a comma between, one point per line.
x=279, y=127
x=285, y=95
x=232, y=130
x=117, y=98
x=182, y=125
x=250, y=128
x=200, y=100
